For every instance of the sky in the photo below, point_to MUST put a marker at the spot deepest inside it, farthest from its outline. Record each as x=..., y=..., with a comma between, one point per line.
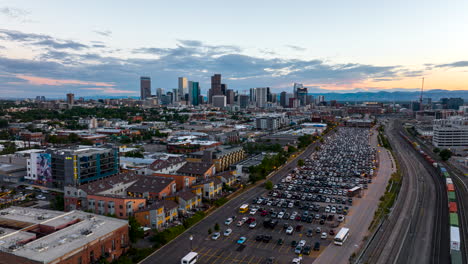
x=92, y=48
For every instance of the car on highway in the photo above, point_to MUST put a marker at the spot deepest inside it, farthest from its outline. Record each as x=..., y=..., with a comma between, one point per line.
x=228, y=232
x=241, y=240
x=215, y=236
x=228, y=221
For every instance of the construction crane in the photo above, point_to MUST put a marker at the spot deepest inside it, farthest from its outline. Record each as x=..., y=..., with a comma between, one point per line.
x=421, y=97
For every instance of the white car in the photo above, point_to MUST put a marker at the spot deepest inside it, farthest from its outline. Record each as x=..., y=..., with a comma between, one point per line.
x=324, y=235
x=240, y=223
x=253, y=224
x=340, y=218
x=302, y=243
x=327, y=209
x=40, y=197
x=333, y=210
x=253, y=211
x=280, y=215
x=290, y=230
x=29, y=188
x=228, y=221
x=45, y=191
x=228, y=232
x=215, y=236
x=297, y=261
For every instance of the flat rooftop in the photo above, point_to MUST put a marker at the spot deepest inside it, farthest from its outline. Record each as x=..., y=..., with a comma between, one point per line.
x=88, y=228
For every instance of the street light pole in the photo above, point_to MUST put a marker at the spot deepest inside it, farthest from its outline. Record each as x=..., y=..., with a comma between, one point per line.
x=191, y=239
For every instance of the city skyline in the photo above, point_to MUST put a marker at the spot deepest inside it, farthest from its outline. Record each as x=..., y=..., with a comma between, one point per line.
x=106, y=57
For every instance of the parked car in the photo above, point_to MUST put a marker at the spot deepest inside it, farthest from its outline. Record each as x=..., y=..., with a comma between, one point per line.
x=324, y=235
x=317, y=246
x=215, y=236
x=228, y=232
x=228, y=221
x=241, y=240
x=290, y=230
x=253, y=224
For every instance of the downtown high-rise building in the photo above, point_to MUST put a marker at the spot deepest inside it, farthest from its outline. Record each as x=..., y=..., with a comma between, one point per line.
x=183, y=87
x=70, y=98
x=194, y=93
x=219, y=101
x=261, y=96
x=145, y=87
x=159, y=92
x=296, y=87
x=301, y=94
x=230, y=97
x=216, y=88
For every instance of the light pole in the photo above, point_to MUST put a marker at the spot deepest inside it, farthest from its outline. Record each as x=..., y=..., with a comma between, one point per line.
x=191, y=239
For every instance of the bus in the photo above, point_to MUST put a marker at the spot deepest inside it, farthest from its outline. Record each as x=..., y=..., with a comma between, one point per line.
x=190, y=258
x=353, y=191
x=341, y=237
x=244, y=208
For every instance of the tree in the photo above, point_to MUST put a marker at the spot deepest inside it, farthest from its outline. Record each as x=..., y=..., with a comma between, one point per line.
x=3, y=123
x=300, y=163
x=209, y=231
x=216, y=227
x=436, y=150
x=445, y=154
x=135, y=232
x=268, y=185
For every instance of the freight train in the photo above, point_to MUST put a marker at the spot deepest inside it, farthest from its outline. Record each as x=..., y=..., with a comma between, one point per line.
x=455, y=242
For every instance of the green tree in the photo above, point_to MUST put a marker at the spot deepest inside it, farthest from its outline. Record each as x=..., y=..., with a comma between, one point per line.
x=445, y=154
x=136, y=231
x=436, y=150
x=268, y=185
x=216, y=227
x=209, y=231
x=3, y=123
x=300, y=163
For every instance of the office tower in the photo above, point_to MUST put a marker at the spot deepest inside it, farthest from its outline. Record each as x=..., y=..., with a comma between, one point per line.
x=252, y=94
x=296, y=87
x=219, y=101
x=230, y=97
x=223, y=88
x=183, y=87
x=189, y=93
x=145, y=87
x=201, y=99
x=294, y=102
x=243, y=101
x=159, y=92
x=301, y=94
x=452, y=103
x=194, y=93
x=261, y=95
x=273, y=97
x=319, y=99
x=283, y=99
x=310, y=99
x=176, y=95
x=215, y=86
x=70, y=98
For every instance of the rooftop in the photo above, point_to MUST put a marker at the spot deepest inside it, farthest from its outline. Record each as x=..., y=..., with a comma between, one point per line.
x=83, y=229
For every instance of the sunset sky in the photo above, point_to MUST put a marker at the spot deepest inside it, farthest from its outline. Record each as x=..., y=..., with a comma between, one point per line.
x=103, y=47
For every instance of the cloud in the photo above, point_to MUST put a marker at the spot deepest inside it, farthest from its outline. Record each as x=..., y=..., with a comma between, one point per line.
x=110, y=90
x=65, y=65
x=40, y=40
x=105, y=33
x=297, y=48
x=457, y=64
x=14, y=13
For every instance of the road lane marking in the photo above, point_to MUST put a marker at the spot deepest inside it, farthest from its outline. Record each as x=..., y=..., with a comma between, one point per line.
x=226, y=258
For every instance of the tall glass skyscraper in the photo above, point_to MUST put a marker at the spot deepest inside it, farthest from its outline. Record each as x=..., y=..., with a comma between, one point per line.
x=194, y=91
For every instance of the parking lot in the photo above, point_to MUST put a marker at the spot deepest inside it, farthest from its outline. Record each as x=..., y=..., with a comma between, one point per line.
x=305, y=209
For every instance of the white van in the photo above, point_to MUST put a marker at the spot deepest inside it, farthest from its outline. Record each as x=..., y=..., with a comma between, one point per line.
x=190, y=258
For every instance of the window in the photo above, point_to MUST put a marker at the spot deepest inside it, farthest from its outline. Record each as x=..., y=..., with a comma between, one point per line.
x=113, y=244
x=80, y=260
x=103, y=249
x=91, y=256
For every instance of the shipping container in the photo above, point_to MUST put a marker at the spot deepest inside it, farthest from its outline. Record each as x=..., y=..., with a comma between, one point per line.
x=449, y=181
x=454, y=219
x=456, y=257
x=446, y=175
x=450, y=188
x=451, y=197
x=453, y=207
x=454, y=238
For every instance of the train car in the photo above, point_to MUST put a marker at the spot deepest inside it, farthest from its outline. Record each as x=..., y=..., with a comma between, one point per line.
x=453, y=207
x=454, y=219
x=448, y=181
x=450, y=187
x=454, y=238
x=456, y=257
x=446, y=174
x=451, y=197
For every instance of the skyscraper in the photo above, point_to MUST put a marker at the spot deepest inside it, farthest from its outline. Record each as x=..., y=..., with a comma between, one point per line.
x=183, y=87
x=283, y=101
x=219, y=101
x=252, y=94
x=145, y=87
x=176, y=95
x=70, y=98
x=230, y=97
x=296, y=87
x=159, y=92
x=194, y=93
x=301, y=94
x=243, y=101
x=261, y=95
x=216, y=86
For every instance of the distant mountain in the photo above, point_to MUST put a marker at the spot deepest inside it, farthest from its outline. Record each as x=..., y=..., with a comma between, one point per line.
x=382, y=96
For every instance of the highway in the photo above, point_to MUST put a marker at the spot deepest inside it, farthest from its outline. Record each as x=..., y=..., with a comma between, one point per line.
x=179, y=247
x=416, y=231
